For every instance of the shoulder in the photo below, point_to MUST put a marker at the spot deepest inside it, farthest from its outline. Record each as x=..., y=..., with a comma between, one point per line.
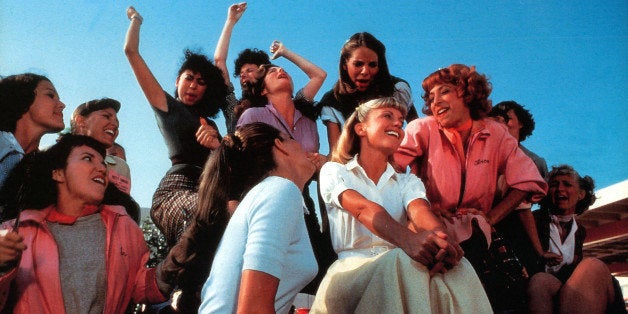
x=422, y=123
x=255, y=112
x=328, y=96
x=332, y=167
x=274, y=185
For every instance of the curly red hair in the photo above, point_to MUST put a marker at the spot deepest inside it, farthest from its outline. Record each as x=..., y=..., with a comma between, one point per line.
x=474, y=86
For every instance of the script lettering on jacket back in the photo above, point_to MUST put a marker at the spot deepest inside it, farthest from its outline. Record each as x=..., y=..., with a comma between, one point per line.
x=481, y=161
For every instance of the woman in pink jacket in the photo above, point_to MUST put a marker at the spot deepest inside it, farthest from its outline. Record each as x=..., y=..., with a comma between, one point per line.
x=459, y=155
x=69, y=253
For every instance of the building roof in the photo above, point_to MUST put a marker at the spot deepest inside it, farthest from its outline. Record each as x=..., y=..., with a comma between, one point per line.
x=606, y=222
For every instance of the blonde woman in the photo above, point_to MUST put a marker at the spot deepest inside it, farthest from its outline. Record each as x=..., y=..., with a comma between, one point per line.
x=394, y=253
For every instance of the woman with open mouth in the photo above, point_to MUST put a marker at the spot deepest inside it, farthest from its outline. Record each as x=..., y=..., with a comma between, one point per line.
x=570, y=283
x=459, y=154
x=66, y=252
x=184, y=122
x=394, y=254
x=364, y=75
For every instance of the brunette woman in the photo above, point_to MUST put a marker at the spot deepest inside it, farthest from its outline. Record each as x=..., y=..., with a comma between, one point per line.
x=184, y=123
x=364, y=75
x=30, y=108
x=265, y=257
x=69, y=253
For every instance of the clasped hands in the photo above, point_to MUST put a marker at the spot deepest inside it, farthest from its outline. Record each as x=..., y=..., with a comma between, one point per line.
x=434, y=249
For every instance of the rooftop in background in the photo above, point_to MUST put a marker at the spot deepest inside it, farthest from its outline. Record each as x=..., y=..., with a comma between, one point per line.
x=607, y=227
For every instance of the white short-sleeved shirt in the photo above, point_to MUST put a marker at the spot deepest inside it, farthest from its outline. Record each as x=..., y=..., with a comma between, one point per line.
x=402, y=94
x=266, y=233
x=394, y=191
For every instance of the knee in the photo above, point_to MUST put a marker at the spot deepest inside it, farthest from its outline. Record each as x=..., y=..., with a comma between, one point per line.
x=590, y=270
x=543, y=284
x=593, y=267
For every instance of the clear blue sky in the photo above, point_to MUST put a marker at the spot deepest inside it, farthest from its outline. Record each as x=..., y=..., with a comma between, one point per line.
x=567, y=61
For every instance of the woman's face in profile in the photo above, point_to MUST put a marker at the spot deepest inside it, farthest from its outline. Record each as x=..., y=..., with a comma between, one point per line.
x=84, y=177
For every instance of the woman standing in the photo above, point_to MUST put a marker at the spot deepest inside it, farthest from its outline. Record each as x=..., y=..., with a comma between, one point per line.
x=71, y=253
x=395, y=255
x=460, y=154
x=364, y=75
x=265, y=257
x=570, y=283
x=184, y=123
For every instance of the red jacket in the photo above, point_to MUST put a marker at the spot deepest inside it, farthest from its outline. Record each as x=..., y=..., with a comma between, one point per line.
x=37, y=281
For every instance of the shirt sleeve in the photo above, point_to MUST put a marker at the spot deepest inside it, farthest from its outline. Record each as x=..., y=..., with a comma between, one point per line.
x=521, y=172
x=246, y=118
x=329, y=114
x=411, y=146
x=412, y=188
x=227, y=110
x=272, y=223
x=332, y=183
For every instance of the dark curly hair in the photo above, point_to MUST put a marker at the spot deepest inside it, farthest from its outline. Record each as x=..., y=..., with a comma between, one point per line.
x=523, y=115
x=17, y=93
x=216, y=92
x=474, y=86
x=585, y=183
x=251, y=56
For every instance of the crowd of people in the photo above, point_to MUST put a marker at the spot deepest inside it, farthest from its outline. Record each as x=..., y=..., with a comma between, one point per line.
x=432, y=216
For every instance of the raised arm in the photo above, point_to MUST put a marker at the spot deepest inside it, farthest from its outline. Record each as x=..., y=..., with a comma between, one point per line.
x=234, y=13
x=317, y=75
x=151, y=88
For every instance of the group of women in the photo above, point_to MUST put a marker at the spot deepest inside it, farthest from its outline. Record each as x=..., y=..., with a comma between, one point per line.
x=232, y=208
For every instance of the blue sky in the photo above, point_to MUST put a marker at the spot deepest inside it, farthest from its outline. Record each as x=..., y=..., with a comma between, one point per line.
x=566, y=61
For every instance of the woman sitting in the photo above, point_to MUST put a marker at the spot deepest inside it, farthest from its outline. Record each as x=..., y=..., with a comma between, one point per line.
x=68, y=253
x=570, y=283
x=395, y=255
x=265, y=257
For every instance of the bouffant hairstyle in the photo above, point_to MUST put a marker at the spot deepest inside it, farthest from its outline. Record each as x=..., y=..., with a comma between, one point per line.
x=523, y=115
x=216, y=92
x=17, y=94
x=585, y=183
x=473, y=86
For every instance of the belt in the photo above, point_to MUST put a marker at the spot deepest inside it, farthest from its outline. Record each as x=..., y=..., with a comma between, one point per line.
x=367, y=252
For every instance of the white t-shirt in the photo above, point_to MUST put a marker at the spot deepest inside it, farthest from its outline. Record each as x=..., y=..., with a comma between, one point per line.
x=266, y=233
x=394, y=191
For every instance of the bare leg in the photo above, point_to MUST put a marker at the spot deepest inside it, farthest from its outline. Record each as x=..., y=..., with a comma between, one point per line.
x=588, y=290
x=542, y=290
